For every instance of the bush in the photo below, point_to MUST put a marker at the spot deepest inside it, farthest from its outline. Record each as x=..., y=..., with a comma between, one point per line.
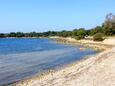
x=2, y=35
x=79, y=37
x=98, y=37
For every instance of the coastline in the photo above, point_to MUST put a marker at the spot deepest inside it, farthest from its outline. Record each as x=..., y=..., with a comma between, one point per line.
x=76, y=68
x=98, y=46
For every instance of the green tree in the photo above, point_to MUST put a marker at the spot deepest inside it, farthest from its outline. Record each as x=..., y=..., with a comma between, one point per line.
x=2, y=35
x=97, y=29
x=79, y=33
x=12, y=34
x=109, y=25
x=20, y=34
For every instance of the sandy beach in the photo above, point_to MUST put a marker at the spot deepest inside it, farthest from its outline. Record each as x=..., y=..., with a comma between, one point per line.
x=96, y=70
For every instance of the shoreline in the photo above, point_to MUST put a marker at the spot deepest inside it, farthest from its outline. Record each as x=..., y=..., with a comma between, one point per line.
x=98, y=46
x=51, y=73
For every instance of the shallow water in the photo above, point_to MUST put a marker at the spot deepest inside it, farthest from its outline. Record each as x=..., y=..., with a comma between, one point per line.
x=22, y=57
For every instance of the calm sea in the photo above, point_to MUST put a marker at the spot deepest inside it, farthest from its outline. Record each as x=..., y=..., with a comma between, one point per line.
x=22, y=57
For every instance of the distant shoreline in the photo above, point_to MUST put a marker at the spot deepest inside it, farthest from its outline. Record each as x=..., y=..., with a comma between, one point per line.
x=99, y=46
x=20, y=37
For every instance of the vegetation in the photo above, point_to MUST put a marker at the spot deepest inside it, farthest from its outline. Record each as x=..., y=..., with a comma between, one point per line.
x=2, y=35
x=107, y=29
x=98, y=37
x=79, y=33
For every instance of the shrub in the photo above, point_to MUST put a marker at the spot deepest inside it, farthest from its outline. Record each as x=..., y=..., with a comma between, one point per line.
x=98, y=37
x=2, y=35
x=79, y=37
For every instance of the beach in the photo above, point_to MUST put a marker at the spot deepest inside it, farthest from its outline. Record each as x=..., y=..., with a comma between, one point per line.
x=57, y=43
x=95, y=70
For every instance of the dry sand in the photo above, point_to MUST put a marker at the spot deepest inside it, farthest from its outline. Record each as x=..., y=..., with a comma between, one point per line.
x=97, y=70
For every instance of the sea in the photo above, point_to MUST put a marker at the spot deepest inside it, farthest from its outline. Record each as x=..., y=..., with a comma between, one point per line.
x=24, y=57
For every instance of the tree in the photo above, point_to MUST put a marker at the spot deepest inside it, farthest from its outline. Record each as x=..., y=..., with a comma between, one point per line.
x=79, y=33
x=109, y=25
x=12, y=34
x=32, y=34
x=97, y=29
x=19, y=34
x=2, y=35
x=75, y=32
x=64, y=33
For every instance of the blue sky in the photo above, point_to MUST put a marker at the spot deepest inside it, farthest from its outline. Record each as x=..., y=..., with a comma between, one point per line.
x=45, y=15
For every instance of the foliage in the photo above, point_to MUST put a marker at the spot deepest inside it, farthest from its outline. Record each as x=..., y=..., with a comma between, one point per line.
x=12, y=34
x=79, y=33
x=98, y=37
x=109, y=25
x=97, y=29
x=2, y=35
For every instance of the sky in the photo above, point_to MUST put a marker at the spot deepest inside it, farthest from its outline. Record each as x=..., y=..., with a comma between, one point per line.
x=56, y=15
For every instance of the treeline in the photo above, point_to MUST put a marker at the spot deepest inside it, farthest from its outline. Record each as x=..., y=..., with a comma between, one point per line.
x=107, y=29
